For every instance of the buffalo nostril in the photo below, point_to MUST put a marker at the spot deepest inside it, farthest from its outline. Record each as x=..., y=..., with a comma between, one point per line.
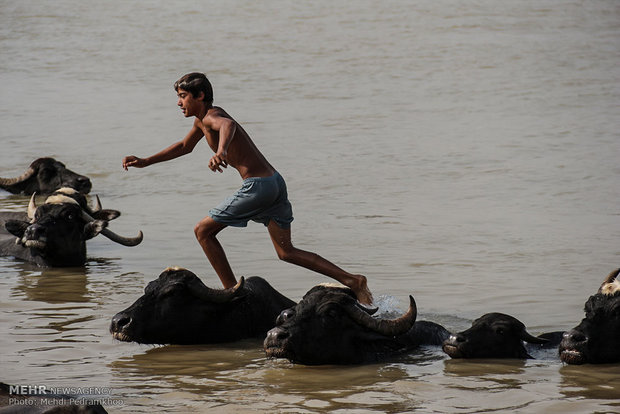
x=120, y=321
x=577, y=336
x=34, y=231
x=460, y=338
x=277, y=334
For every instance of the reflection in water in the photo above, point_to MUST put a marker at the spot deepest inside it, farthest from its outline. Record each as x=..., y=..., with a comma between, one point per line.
x=234, y=374
x=486, y=374
x=59, y=285
x=600, y=382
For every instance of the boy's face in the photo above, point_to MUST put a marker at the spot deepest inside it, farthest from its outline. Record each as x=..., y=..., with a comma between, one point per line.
x=190, y=105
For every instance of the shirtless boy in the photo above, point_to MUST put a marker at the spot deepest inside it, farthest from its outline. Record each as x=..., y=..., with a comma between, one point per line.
x=262, y=198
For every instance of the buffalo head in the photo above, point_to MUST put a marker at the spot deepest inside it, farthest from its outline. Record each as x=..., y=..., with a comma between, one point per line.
x=494, y=335
x=44, y=176
x=60, y=195
x=177, y=308
x=596, y=339
x=329, y=326
x=57, y=232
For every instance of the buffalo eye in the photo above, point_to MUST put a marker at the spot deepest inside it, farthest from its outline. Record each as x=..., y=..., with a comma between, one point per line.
x=331, y=312
x=499, y=331
x=168, y=291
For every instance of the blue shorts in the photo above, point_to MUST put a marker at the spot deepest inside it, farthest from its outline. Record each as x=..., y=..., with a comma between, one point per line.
x=259, y=199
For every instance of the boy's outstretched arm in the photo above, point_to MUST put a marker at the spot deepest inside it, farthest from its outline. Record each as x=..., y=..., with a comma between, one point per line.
x=185, y=146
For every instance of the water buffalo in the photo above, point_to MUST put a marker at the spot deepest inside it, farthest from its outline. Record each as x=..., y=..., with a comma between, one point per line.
x=44, y=176
x=177, y=308
x=497, y=335
x=596, y=340
x=329, y=326
x=55, y=233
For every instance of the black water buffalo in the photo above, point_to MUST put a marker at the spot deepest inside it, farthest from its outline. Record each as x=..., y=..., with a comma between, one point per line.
x=177, y=308
x=329, y=326
x=55, y=233
x=596, y=340
x=44, y=176
x=497, y=335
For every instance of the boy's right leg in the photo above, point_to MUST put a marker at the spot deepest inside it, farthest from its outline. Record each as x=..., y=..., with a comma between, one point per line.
x=281, y=239
x=205, y=232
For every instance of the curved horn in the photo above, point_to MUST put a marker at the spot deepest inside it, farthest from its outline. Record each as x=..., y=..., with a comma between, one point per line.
x=219, y=295
x=606, y=286
x=612, y=276
x=11, y=181
x=32, y=206
x=125, y=241
x=370, y=311
x=529, y=338
x=388, y=327
x=97, y=207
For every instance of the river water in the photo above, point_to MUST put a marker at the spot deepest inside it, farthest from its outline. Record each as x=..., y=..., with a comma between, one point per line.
x=467, y=153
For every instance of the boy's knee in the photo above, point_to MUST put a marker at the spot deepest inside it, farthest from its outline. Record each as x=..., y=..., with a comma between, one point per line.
x=198, y=229
x=286, y=255
x=202, y=230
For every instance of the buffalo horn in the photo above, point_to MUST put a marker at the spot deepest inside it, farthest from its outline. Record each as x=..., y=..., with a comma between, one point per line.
x=612, y=276
x=32, y=206
x=531, y=339
x=219, y=295
x=97, y=207
x=125, y=241
x=23, y=177
x=610, y=279
x=388, y=327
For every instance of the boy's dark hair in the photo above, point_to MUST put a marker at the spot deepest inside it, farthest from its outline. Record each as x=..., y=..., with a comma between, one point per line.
x=195, y=83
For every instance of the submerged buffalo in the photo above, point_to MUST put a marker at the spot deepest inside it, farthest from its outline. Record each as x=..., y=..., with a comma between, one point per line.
x=596, y=340
x=44, y=176
x=177, y=308
x=55, y=233
x=497, y=335
x=329, y=326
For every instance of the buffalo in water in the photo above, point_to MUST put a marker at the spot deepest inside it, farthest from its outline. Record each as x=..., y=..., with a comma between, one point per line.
x=329, y=326
x=55, y=233
x=44, y=176
x=497, y=335
x=596, y=340
x=177, y=308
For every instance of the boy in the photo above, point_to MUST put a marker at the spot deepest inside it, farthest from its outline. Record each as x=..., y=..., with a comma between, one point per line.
x=262, y=198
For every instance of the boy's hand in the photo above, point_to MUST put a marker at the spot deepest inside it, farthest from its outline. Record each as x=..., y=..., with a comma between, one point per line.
x=218, y=161
x=133, y=161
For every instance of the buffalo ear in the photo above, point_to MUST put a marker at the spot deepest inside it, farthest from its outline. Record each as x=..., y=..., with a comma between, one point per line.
x=16, y=227
x=93, y=228
x=106, y=214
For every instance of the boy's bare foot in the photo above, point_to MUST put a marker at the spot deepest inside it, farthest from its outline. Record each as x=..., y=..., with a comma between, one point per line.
x=360, y=287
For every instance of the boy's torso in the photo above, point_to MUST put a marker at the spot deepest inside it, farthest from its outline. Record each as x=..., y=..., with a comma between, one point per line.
x=243, y=154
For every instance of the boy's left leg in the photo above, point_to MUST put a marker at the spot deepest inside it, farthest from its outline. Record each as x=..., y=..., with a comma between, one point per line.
x=205, y=232
x=281, y=239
